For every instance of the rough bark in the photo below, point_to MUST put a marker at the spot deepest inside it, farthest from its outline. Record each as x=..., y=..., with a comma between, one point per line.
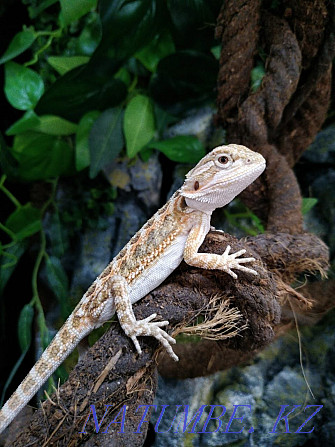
x=112, y=373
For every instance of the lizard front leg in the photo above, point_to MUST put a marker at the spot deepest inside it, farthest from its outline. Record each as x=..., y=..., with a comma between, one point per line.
x=225, y=262
x=132, y=327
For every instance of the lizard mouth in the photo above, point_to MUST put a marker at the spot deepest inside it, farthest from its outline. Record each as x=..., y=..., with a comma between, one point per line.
x=235, y=181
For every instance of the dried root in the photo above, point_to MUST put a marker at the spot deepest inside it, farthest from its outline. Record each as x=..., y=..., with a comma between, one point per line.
x=221, y=321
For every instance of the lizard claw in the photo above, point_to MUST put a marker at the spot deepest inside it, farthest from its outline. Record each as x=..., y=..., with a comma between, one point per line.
x=216, y=230
x=153, y=329
x=231, y=261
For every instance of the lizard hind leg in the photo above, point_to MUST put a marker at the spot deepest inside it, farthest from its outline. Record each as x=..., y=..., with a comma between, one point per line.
x=135, y=328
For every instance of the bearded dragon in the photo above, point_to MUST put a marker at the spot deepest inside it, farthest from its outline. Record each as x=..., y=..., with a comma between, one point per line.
x=174, y=233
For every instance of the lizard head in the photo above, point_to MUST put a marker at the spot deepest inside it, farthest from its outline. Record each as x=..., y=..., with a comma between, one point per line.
x=220, y=176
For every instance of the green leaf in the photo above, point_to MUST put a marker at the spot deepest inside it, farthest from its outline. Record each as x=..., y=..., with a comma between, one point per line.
x=124, y=76
x=24, y=326
x=57, y=235
x=82, y=139
x=307, y=204
x=72, y=10
x=20, y=43
x=182, y=148
x=160, y=46
x=128, y=26
x=163, y=118
x=10, y=257
x=138, y=124
x=24, y=221
x=48, y=124
x=90, y=36
x=216, y=51
x=105, y=139
x=146, y=153
x=37, y=8
x=29, y=121
x=58, y=282
x=23, y=86
x=54, y=125
x=63, y=64
x=41, y=156
x=256, y=222
x=80, y=90
x=257, y=74
x=8, y=163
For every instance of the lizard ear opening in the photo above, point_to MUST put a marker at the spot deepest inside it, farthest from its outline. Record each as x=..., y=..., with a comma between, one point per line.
x=196, y=185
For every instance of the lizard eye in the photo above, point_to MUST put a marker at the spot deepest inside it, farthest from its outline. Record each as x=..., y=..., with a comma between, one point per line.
x=196, y=185
x=223, y=159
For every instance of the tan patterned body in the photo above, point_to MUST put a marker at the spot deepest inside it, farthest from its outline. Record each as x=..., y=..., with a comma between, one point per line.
x=174, y=233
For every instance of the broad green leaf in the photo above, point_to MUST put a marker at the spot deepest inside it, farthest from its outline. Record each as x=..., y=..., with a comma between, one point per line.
x=23, y=86
x=160, y=46
x=105, y=139
x=41, y=156
x=138, y=124
x=82, y=139
x=182, y=148
x=128, y=26
x=58, y=282
x=307, y=204
x=10, y=256
x=24, y=326
x=54, y=125
x=90, y=36
x=72, y=10
x=81, y=90
x=49, y=124
x=63, y=64
x=28, y=122
x=24, y=221
x=20, y=43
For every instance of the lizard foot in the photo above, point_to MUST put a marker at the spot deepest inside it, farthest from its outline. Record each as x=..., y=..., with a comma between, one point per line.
x=153, y=329
x=231, y=261
x=216, y=230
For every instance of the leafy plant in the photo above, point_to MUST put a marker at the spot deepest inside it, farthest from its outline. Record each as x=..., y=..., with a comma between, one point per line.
x=88, y=82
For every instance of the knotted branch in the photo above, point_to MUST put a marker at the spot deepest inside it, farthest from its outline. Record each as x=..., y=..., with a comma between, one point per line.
x=112, y=373
x=237, y=29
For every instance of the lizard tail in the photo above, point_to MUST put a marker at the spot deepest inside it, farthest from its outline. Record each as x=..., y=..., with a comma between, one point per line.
x=60, y=347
